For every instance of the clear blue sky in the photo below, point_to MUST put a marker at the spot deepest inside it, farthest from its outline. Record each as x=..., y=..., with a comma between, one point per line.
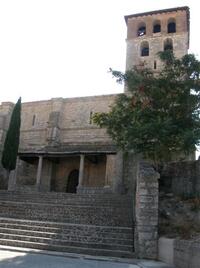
x=60, y=48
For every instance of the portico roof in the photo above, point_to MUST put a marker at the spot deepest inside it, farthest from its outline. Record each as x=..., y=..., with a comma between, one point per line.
x=67, y=150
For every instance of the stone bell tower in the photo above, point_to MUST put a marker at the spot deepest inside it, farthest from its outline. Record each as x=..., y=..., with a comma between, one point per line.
x=151, y=32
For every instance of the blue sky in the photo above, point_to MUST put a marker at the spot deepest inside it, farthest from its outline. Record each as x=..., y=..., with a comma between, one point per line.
x=60, y=48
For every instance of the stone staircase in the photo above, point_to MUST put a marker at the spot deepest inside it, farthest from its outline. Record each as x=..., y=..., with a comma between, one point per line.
x=99, y=224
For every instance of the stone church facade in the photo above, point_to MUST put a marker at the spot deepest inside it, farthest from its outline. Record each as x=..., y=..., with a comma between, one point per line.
x=60, y=147
x=62, y=151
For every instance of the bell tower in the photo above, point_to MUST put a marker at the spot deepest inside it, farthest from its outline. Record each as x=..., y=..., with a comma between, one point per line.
x=151, y=32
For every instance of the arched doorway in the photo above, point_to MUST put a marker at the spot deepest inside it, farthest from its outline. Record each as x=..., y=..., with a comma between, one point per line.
x=72, y=182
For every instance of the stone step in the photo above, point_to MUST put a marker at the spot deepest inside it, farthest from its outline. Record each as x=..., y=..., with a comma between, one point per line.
x=80, y=202
x=65, y=209
x=63, y=195
x=62, y=225
x=58, y=205
x=69, y=202
x=88, y=224
x=113, y=197
x=67, y=213
x=69, y=249
x=73, y=231
x=62, y=242
x=69, y=236
x=70, y=196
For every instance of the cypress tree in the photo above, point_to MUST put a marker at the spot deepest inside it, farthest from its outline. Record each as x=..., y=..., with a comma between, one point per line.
x=11, y=144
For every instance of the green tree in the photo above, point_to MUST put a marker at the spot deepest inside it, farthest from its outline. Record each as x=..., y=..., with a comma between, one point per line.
x=159, y=115
x=11, y=144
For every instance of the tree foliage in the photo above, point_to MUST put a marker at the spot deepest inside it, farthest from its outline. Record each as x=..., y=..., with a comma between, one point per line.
x=159, y=114
x=11, y=144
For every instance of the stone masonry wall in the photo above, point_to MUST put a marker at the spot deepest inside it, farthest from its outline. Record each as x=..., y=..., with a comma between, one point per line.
x=63, y=120
x=187, y=253
x=146, y=212
x=181, y=178
x=156, y=40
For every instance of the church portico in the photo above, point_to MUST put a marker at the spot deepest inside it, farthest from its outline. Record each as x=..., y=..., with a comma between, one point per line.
x=69, y=171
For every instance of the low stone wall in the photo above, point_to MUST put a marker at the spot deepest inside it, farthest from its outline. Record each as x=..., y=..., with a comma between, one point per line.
x=187, y=253
x=146, y=212
x=180, y=253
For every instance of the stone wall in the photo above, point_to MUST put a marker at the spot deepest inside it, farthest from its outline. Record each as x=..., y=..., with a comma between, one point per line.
x=146, y=212
x=180, y=253
x=187, y=253
x=181, y=178
x=26, y=174
x=58, y=120
x=63, y=121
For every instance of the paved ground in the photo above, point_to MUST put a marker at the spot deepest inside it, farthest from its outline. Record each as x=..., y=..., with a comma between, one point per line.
x=15, y=259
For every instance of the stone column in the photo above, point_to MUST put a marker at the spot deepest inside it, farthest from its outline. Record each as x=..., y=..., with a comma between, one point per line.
x=13, y=177
x=118, y=185
x=107, y=172
x=39, y=172
x=110, y=169
x=81, y=170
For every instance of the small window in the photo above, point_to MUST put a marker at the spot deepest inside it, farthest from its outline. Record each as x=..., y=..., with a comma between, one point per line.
x=171, y=28
x=33, y=120
x=91, y=118
x=144, y=49
x=155, y=65
x=157, y=27
x=141, y=30
x=168, y=44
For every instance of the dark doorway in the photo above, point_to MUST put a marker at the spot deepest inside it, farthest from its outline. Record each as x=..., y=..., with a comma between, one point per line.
x=72, y=182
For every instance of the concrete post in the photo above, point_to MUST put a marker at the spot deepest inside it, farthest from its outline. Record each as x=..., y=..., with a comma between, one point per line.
x=39, y=172
x=81, y=170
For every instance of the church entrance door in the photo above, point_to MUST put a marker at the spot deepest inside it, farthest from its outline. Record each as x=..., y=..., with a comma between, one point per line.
x=72, y=182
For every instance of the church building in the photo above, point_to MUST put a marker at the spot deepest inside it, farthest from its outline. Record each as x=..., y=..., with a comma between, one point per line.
x=69, y=170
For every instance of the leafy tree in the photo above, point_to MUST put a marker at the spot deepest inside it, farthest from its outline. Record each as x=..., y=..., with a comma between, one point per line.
x=11, y=144
x=159, y=114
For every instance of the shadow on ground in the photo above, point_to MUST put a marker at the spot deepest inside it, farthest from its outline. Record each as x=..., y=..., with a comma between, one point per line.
x=10, y=259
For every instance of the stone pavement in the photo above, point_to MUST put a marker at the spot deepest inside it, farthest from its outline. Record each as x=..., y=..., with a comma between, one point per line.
x=19, y=259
